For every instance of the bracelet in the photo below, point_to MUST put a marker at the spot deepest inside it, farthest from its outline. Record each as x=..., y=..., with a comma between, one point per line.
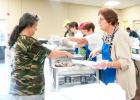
x=112, y=64
x=107, y=64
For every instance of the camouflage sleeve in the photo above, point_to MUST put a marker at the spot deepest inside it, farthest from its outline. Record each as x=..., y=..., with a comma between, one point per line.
x=38, y=52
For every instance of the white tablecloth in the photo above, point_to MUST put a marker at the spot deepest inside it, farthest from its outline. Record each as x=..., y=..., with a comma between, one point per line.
x=83, y=92
x=136, y=57
x=94, y=91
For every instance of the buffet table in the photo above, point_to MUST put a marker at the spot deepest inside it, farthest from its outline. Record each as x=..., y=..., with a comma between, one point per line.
x=136, y=52
x=93, y=91
x=72, y=73
x=136, y=57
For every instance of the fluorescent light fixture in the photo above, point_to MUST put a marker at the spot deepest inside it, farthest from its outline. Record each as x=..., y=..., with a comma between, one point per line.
x=112, y=3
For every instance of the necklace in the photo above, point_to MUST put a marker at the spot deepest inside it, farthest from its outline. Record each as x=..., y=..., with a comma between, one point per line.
x=109, y=38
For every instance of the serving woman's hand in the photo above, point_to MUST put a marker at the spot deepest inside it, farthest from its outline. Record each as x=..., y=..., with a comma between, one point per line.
x=103, y=64
x=94, y=53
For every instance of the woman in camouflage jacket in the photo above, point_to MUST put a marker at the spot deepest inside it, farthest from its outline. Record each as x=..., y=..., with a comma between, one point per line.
x=27, y=77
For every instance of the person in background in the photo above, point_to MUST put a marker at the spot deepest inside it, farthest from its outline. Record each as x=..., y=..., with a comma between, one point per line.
x=27, y=77
x=81, y=27
x=84, y=50
x=132, y=33
x=68, y=32
x=116, y=54
x=93, y=40
x=74, y=28
x=77, y=33
x=2, y=46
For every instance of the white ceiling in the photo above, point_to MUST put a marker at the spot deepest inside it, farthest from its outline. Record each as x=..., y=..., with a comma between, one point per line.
x=100, y=3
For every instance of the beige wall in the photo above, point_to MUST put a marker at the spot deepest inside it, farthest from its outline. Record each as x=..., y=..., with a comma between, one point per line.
x=53, y=14
x=130, y=14
x=3, y=8
x=15, y=10
x=82, y=13
x=3, y=12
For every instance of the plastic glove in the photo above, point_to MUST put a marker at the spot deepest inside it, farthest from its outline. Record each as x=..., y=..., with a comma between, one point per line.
x=93, y=54
x=103, y=64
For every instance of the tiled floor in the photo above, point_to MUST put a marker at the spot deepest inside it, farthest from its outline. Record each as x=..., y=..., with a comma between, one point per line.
x=4, y=81
x=4, y=78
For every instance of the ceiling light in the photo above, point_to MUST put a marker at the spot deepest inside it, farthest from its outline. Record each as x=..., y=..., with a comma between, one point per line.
x=112, y=3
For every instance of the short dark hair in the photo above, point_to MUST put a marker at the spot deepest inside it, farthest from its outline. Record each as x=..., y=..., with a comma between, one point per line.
x=88, y=26
x=73, y=24
x=128, y=28
x=67, y=24
x=109, y=15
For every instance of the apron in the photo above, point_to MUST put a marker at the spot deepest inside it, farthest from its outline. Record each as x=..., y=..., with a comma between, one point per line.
x=108, y=75
x=88, y=53
x=76, y=51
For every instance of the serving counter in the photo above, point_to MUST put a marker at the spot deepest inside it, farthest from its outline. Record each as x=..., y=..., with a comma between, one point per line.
x=92, y=91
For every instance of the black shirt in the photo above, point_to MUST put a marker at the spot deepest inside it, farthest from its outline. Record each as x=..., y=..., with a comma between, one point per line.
x=133, y=34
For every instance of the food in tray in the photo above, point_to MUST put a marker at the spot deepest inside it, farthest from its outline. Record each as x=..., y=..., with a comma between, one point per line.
x=85, y=63
x=63, y=64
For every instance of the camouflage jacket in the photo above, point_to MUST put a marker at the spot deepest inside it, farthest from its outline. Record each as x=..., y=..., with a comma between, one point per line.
x=27, y=72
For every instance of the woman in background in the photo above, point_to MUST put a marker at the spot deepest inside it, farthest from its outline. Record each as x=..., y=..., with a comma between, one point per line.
x=27, y=77
x=116, y=54
x=68, y=32
x=92, y=39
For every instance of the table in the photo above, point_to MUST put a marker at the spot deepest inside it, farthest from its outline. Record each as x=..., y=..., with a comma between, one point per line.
x=70, y=71
x=94, y=91
x=136, y=57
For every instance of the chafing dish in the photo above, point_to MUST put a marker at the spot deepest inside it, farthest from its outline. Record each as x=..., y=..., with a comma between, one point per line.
x=66, y=73
x=73, y=74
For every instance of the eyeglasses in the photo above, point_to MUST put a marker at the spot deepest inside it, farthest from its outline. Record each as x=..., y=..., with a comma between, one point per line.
x=101, y=19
